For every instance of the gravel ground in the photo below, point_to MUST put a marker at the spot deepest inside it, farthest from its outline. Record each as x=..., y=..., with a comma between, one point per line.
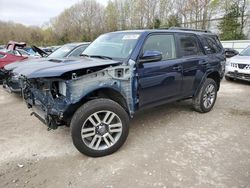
x=168, y=146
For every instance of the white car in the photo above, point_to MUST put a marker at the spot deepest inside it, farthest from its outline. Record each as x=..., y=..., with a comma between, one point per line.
x=238, y=67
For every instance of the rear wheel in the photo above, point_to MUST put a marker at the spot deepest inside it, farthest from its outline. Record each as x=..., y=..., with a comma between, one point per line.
x=206, y=97
x=99, y=127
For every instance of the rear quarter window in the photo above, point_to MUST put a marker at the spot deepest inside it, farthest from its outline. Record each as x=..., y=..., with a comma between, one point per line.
x=213, y=45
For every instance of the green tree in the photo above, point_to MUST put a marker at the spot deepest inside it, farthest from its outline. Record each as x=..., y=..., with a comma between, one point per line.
x=230, y=27
x=173, y=21
x=157, y=23
x=111, y=16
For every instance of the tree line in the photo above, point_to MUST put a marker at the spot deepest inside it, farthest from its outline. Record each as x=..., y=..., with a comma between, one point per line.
x=87, y=19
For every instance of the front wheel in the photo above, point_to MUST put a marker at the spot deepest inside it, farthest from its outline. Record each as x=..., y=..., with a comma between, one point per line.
x=205, y=99
x=99, y=127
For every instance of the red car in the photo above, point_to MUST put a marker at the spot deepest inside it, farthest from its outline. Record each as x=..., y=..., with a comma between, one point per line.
x=6, y=58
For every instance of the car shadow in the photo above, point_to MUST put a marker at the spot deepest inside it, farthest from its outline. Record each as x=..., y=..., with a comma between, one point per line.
x=156, y=113
x=243, y=82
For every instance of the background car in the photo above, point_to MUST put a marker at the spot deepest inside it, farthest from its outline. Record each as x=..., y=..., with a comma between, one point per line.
x=69, y=50
x=238, y=67
x=6, y=58
x=10, y=79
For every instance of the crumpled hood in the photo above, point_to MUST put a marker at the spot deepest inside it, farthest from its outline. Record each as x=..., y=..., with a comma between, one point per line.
x=240, y=59
x=57, y=67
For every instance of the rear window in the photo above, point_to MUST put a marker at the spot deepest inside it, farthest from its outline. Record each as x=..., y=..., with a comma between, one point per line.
x=213, y=45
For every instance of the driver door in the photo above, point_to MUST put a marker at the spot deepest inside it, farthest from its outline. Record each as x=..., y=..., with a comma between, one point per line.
x=160, y=81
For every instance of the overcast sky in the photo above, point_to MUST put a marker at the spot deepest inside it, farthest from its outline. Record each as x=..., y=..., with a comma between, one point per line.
x=34, y=12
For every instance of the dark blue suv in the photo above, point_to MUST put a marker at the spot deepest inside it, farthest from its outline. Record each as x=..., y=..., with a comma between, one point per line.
x=119, y=74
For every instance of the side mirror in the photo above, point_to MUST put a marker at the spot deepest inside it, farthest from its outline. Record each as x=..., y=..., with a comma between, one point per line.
x=230, y=52
x=150, y=56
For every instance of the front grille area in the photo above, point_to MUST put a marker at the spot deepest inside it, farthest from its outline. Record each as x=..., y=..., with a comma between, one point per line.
x=242, y=66
x=239, y=75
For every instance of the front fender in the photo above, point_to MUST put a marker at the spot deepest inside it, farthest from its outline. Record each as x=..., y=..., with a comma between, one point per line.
x=117, y=78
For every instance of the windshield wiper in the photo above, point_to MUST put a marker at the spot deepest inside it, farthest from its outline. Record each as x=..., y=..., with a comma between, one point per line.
x=84, y=55
x=100, y=56
x=97, y=56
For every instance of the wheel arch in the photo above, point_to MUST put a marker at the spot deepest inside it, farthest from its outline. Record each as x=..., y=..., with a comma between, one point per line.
x=213, y=75
x=109, y=93
x=216, y=77
x=104, y=92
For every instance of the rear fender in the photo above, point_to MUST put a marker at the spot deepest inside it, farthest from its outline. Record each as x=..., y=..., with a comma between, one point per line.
x=204, y=79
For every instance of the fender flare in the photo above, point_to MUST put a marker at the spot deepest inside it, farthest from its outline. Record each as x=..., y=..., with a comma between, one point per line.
x=203, y=80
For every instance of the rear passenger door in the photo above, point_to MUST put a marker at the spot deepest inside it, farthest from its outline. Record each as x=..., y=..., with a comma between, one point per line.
x=160, y=81
x=193, y=57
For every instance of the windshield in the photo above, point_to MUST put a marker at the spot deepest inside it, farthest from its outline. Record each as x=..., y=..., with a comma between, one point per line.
x=113, y=45
x=246, y=52
x=63, y=51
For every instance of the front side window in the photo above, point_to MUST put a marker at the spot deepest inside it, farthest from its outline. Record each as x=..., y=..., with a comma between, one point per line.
x=163, y=43
x=189, y=46
x=113, y=45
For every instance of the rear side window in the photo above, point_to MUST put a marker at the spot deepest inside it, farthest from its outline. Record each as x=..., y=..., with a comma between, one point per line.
x=163, y=43
x=1, y=56
x=213, y=45
x=189, y=45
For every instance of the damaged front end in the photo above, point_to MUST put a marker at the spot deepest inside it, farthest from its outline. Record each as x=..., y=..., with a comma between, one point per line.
x=43, y=97
x=54, y=100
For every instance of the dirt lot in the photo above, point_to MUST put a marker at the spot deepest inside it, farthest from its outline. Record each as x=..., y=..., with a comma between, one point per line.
x=168, y=146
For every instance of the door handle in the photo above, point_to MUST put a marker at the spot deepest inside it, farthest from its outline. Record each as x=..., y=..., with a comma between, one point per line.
x=177, y=68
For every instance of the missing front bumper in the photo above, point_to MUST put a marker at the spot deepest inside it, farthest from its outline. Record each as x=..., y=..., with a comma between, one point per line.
x=50, y=121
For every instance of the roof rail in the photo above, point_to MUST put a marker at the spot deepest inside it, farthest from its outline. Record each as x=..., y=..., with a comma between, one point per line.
x=189, y=29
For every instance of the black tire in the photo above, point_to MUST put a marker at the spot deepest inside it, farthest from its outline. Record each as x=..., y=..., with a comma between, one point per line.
x=85, y=111
x=228, y=78
x=198, y=100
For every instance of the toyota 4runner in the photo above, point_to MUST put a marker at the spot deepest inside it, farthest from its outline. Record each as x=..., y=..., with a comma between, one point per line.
x=119, y=74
